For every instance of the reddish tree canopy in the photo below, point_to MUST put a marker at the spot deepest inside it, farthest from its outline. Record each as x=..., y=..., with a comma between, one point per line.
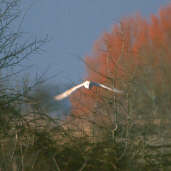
x=132, y=43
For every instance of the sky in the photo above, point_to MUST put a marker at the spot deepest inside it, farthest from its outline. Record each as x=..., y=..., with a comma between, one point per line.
x=72, y=27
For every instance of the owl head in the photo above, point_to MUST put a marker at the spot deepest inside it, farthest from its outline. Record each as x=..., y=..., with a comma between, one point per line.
x=87, y=84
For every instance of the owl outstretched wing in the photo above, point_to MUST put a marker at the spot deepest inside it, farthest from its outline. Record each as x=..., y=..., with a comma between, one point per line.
x=68, y=92
x=92, y=84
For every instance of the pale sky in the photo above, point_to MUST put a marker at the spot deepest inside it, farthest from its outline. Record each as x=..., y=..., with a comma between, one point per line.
x=73, y=26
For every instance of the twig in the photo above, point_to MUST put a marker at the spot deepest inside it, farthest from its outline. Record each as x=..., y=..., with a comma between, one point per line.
x=83, y=166
x=56, y=164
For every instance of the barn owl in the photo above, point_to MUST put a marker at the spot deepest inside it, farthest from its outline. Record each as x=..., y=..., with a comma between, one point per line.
x=87, y=85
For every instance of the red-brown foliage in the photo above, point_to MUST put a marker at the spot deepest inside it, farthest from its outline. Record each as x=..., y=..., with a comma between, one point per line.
x=133, y=42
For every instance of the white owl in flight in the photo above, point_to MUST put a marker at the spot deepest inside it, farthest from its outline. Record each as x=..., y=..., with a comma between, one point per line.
x=87, y=85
